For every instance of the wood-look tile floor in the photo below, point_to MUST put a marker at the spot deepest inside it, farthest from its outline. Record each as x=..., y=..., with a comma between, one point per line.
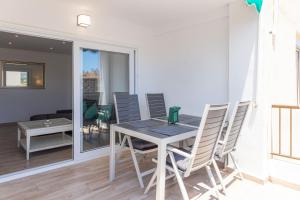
x=89, y=181
x=13, y=159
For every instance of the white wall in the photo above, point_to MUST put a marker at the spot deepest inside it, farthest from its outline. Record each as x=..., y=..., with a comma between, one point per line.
x=192, y=66
x=243, y=27
x=247, y=82
x=284, y=73
x=20, y=104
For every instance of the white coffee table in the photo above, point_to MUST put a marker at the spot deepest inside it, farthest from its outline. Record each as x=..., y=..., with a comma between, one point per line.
x=39, y=135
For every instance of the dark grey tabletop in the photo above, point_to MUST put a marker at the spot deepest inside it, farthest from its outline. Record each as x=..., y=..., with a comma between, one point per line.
x=156, y=128
x=185, y=119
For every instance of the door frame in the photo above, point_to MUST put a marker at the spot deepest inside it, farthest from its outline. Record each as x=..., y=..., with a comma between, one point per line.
x=77, y=66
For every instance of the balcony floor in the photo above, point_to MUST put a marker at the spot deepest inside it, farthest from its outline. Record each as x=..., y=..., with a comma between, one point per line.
x=89, y=181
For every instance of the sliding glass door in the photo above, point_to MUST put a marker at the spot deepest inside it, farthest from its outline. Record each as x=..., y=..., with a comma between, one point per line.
x=103, y=73
x=102, y=70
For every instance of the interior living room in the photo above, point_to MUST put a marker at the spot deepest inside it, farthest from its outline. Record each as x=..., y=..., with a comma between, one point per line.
x=36, y=102
x=36, y=97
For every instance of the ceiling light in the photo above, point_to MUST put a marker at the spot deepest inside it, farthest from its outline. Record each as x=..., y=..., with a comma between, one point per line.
x=9, y=43
x=83, y=20
x=51, y=48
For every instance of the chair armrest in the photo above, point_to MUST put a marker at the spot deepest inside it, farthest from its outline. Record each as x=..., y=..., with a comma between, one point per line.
x=182, y=153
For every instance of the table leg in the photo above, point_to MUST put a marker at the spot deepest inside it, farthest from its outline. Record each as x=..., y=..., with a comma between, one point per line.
x=161, y=171
x=112, y=165
x=27, y=146
x=63, y=135
x=19, y=137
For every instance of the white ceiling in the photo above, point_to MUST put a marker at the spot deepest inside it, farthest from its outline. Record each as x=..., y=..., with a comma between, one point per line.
x=152, y=14
x=25, y=42
x=156, y=13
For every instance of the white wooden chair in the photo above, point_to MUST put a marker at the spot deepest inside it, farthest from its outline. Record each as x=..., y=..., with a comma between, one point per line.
x=228, y=143
x=127, y=109
x=183, y=162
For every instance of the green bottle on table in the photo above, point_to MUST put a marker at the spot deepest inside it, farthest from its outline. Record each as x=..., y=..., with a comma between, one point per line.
x=173, y=115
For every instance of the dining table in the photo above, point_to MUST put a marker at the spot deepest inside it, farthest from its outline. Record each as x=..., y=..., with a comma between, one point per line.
x=159, y=132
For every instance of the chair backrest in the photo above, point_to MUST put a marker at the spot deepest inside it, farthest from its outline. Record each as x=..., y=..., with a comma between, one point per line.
x=208, y=135
x=234, y=127
x=156, y=105
x=127, y=107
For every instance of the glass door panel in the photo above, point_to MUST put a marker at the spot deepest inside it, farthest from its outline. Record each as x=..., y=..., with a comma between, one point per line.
x=102, y=74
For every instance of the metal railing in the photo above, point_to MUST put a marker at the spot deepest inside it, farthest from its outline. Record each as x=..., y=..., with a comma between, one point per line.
x=286, y=131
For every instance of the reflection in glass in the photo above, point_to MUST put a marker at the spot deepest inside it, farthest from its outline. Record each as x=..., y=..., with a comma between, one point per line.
x=22, y=75
x=103, y=73
x=16, y=79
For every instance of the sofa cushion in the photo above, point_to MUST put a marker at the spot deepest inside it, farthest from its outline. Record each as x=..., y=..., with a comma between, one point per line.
x=51, y=116
x=39, y=117
x=67, y=111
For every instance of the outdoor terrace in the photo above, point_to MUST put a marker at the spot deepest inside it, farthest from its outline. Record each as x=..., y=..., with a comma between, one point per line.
x=89, y=181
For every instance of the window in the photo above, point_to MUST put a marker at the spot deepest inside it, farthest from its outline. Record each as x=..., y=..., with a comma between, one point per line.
x=16, y=79
x=22, y=75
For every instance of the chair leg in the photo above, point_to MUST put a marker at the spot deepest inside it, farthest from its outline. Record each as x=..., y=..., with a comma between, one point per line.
x=122, y=146
x=212, y=181
x=90, y=133
x=89, y=129
x=138, y=172
x=219, y=175
x=120, y=138
x=150, y=184
x=179, y=179
x=236, y=166
x=225, y=161
x=100, y=125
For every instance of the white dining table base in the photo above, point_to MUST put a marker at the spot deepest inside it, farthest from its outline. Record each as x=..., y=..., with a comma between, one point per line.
x=161, y=164
x=161, y=171
x=160, y=140
x=112, y=157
